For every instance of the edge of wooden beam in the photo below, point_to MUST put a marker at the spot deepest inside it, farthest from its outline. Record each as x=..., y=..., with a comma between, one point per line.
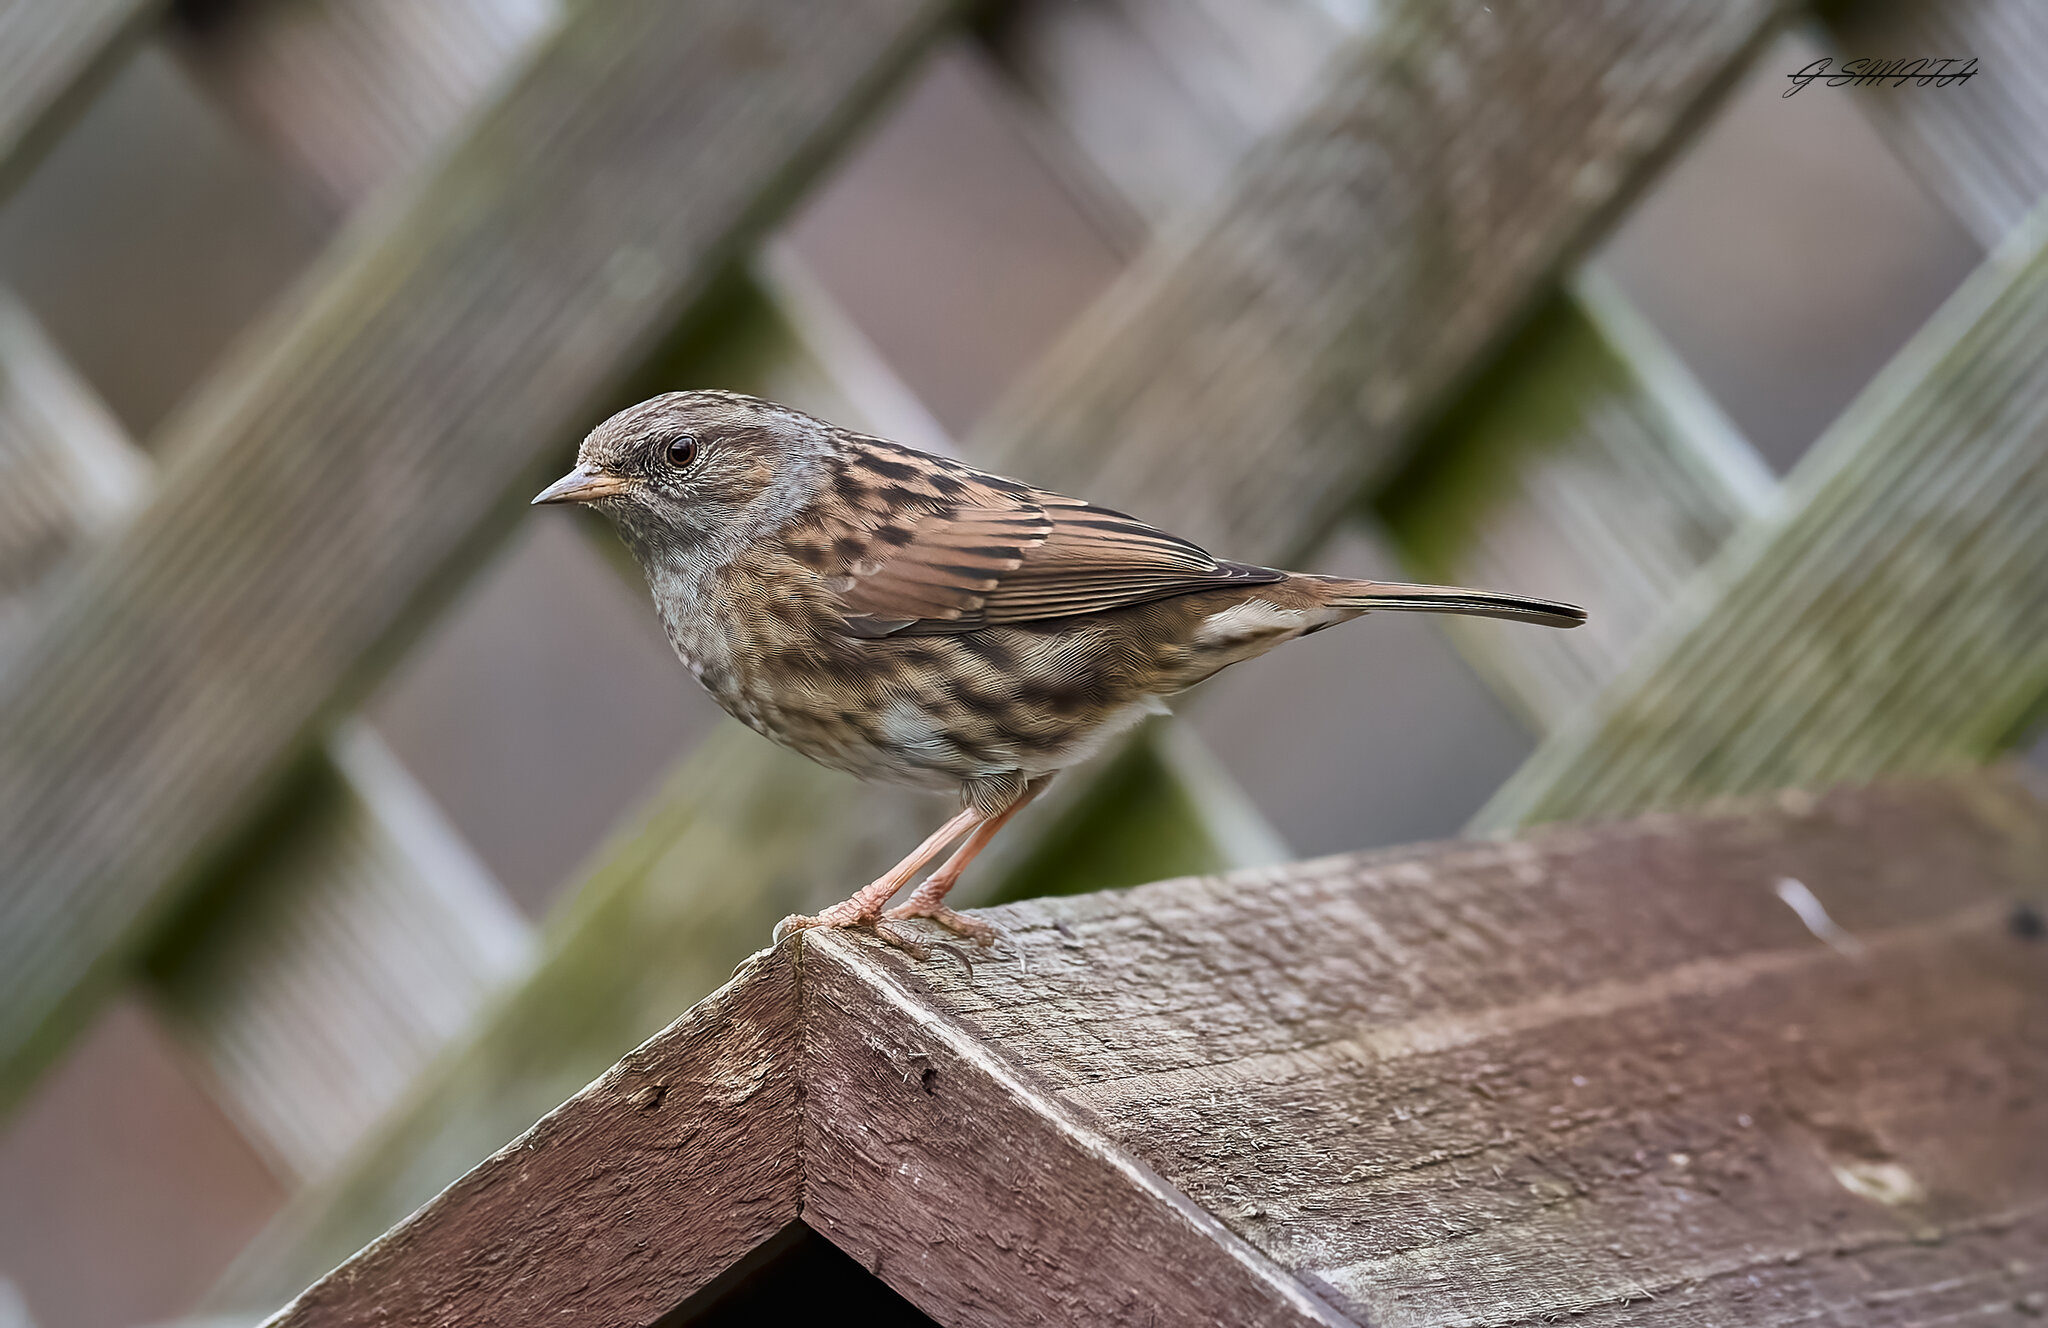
x=558, y=1222
x=901, y=1105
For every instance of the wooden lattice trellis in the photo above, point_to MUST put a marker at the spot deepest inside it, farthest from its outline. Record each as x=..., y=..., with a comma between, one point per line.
x=1374, y=231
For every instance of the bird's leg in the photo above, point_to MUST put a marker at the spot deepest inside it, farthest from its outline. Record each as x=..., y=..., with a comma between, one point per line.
x=929, y=899
x=864, y=908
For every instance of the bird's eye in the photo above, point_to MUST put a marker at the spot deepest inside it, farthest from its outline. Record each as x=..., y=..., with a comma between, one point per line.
x=682, y=449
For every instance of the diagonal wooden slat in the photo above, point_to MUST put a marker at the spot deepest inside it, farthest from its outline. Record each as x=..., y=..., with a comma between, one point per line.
x=355, y=456
x=1255, y=371
x=353, y=93
x=67, y=470
x=52, y=53
x=728, y=1073
x=343, y=958
x=1584, y=456
x=1890, y=615
x=1978, y=146
x=1371, y=151
x=328, y=966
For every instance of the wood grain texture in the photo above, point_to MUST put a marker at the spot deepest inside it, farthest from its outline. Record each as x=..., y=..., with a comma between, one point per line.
x=353, y=93
x=52, y=55
x=1603, y=1072
x=67, y=470
x=641, y=1189
x=1257, y=368
x=367, y=442
x=1889, y=615
x=1584, y=458
x=975, y=1193
x=336, y=957
x=743, y=834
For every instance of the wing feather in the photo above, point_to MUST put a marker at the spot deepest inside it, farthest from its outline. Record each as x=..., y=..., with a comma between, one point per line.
x=941, y=547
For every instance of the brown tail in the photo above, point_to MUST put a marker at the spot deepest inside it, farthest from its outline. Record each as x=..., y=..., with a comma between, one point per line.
x=1378, y=595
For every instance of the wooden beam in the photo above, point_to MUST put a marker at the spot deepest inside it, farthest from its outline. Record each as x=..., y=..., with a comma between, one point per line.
x=637, y=1192
x=373, y=437
x=926, y=1153
x=742, y=834
x=1890, y=615
x=1605, y=1071
x=53, y=54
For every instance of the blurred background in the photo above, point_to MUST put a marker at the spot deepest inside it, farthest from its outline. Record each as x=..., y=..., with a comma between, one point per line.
x=327, y=972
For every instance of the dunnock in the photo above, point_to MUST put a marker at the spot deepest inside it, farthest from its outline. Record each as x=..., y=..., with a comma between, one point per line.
x=906, y=617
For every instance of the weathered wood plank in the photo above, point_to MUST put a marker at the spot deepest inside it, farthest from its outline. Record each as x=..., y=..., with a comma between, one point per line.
x=350, y=943
x=67, y=471
x=1585, y=457
x=1253, y=372
x=743, y=832
x=1598, y=1072
x=359, y=936
x=1603, y=1072
x=984, y=1201
x=639, y=1191
x=1891, y=615
x=1981, y=147
x=354, y=93
x=52, y=55
x=363, y=446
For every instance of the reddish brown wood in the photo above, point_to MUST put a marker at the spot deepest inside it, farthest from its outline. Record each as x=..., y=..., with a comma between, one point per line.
x=621, y=1203
x=973, y=1190
x=1604, y=1072
x=1492, y=1083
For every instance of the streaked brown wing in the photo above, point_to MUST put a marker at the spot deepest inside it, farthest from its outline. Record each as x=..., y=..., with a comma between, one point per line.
x=950, y=549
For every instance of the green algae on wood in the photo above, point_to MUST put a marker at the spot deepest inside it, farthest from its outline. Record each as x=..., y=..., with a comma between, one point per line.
x=1889, y=615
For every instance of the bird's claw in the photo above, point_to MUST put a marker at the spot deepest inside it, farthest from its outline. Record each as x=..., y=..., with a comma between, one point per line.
x=902, y=940
x=974, y=929
x=896, y=936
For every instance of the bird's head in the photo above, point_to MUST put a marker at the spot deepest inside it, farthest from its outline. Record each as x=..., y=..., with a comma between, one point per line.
x=690, y=473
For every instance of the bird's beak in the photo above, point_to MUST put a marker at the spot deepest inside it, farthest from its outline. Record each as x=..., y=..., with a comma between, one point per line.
x=581, y=486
